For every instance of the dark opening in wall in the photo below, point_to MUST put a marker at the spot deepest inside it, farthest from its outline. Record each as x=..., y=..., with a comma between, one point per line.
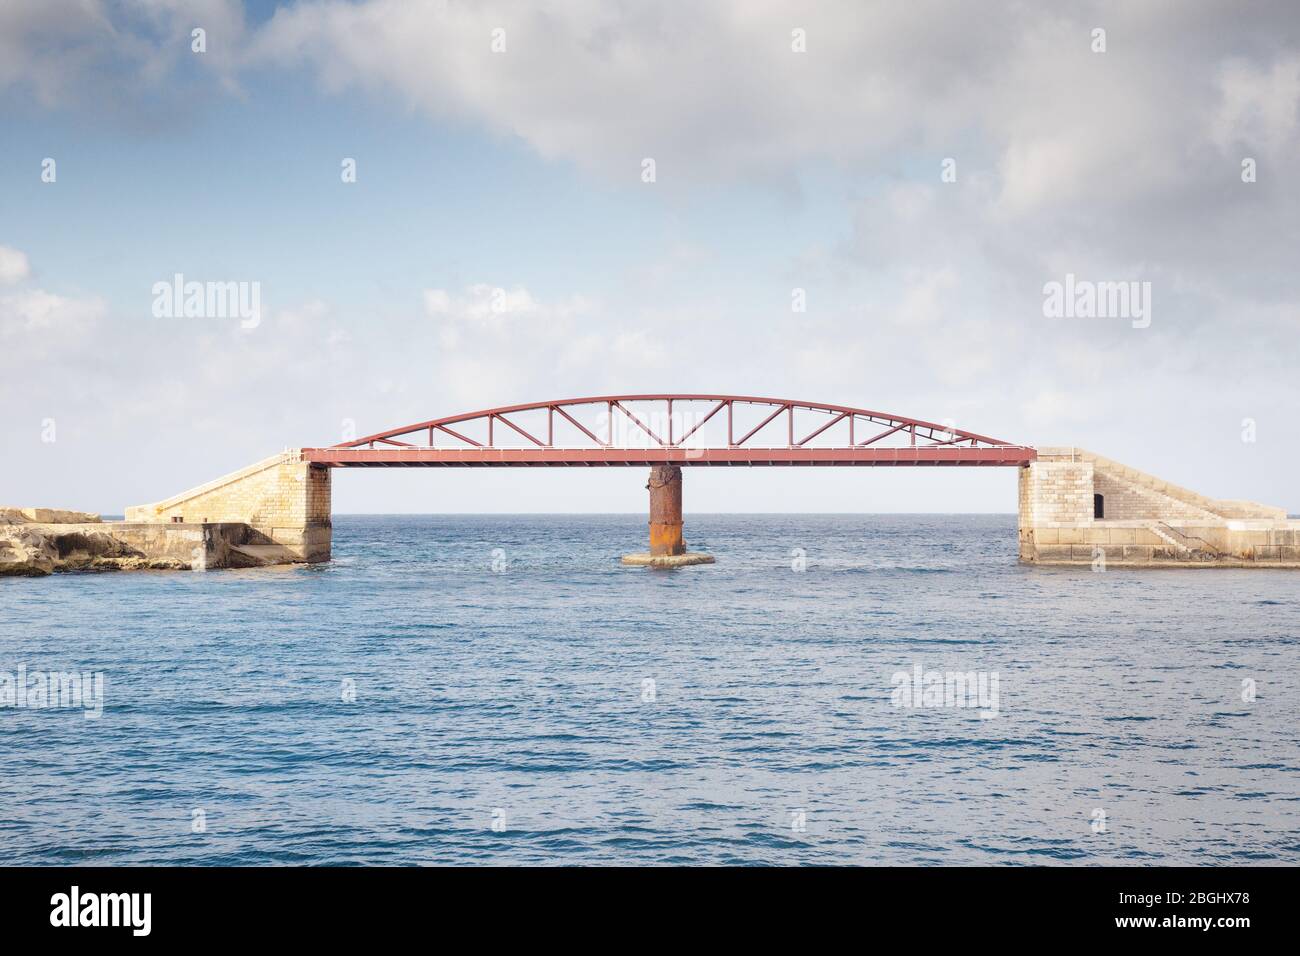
x=1098, y=506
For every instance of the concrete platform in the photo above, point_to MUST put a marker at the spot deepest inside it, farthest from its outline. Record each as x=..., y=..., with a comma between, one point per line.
x=646, y=559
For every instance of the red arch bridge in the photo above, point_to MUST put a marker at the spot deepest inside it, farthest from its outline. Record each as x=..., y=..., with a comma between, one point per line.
x=666, y=433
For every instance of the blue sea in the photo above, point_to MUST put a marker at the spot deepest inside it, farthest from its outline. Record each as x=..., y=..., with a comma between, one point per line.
x=499, y=689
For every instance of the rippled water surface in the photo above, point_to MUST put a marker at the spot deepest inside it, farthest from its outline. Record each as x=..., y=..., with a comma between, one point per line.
x=519, y=700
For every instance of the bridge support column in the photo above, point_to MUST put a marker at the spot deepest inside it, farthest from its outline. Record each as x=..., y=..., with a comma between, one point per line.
x=667, y=549
x=665, y=487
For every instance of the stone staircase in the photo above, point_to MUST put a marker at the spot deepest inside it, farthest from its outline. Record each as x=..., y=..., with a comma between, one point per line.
x=1196, y=506
x=151, y=512
x=1185, y=544
x=1122, y=491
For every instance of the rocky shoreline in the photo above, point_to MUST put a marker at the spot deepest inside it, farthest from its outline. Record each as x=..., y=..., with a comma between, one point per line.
x=35, y=542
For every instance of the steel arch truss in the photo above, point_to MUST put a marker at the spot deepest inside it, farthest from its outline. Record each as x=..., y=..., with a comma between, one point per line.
x=612, y=430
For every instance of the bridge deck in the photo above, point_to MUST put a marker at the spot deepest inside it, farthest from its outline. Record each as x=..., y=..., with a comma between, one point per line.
x=425, y=457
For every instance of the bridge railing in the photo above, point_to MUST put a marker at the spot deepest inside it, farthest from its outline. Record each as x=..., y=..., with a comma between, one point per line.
x=672, y=421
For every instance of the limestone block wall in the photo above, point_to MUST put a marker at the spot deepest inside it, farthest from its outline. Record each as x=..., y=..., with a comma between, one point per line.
x=1153, y=544
x=284, y=498
x=1146, y=521
x=1053, y=492
x=1125, y=501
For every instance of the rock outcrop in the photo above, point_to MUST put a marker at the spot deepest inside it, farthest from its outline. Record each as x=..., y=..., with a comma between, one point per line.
x=47, y=516
x=29, y=548
x=25, y=552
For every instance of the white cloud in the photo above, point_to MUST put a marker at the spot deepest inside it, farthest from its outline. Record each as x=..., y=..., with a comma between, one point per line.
x=925, y=298
x=35, y=322
x=45, y=313
x=494, y=338
x=714, y=90
x=14, y=266
x=117, y=56
x=1258, y=108
x=37, y=325
x=436, y=302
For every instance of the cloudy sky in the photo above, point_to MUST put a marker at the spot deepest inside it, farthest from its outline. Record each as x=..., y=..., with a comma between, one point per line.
x=502, y=145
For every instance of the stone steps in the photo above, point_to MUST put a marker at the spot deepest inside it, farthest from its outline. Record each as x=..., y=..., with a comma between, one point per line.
x=1169, y=503
x=1150, y=482
x=1184, y=543
x=1215, y=508
x=1169, y=539
x=145, y=512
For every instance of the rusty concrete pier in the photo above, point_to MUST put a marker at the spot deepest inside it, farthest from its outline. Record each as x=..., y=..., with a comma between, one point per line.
x=667, y=547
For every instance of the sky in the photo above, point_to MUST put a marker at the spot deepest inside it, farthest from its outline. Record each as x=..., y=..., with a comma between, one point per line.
x=921, y=171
